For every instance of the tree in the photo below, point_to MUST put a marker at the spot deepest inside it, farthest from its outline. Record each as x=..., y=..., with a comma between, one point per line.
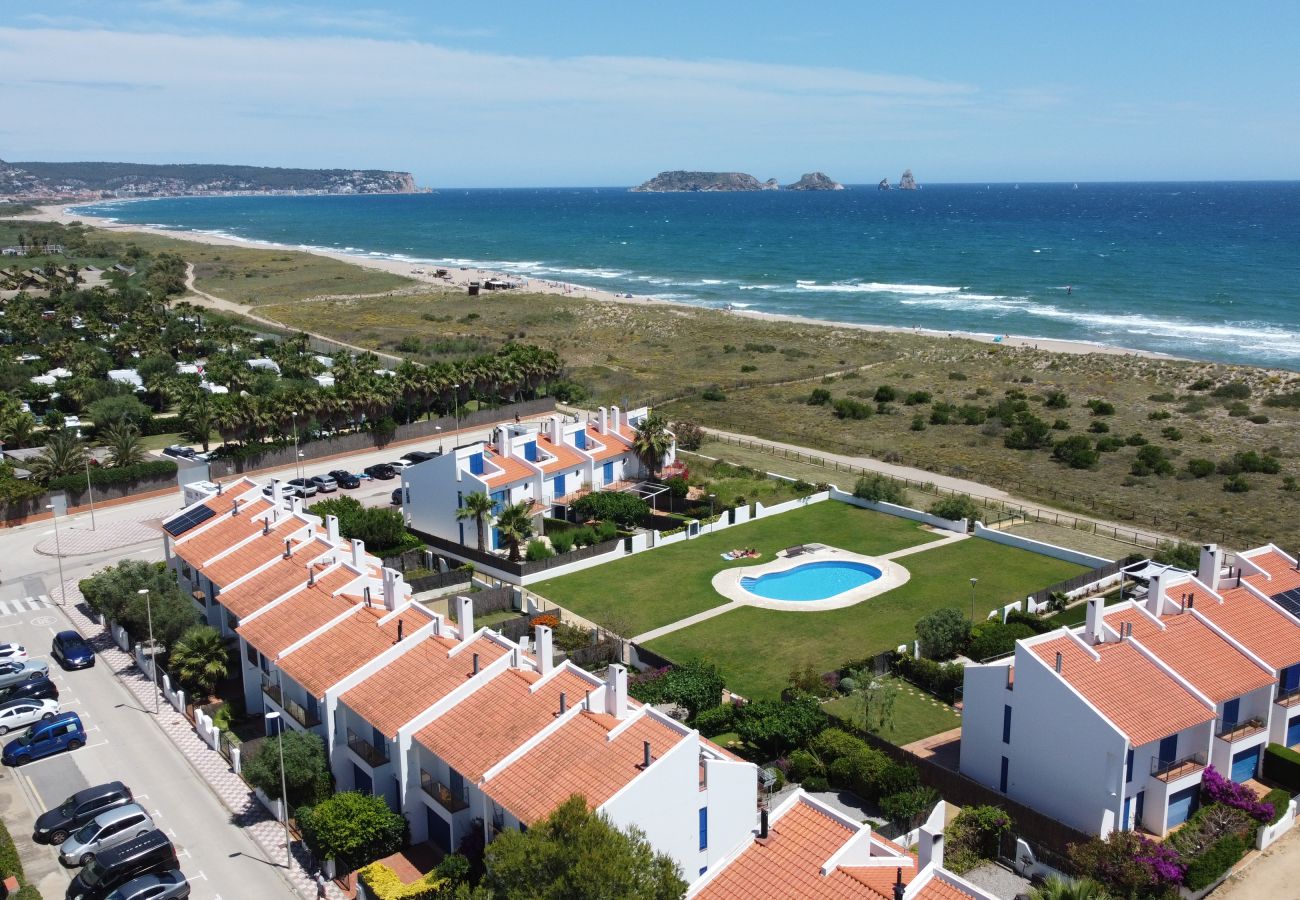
x=576, y=854
x=878, y=698
x=122, y=441
x=689, y=435
x=200, y=659
x=351, y=828
x=694, y=685
x=199, y=415
x=1180, y=555
x=652, y=441
x=907, y=809
x=943, y=633
x=64, y=454
x=306, y=769
x=515, y=525
x=477, y=506
x=1124, y=864
x=611, y=506
x=1077, y=452
x=118, y=409
x=776, y=727
x=956, y=508
x=879, y=489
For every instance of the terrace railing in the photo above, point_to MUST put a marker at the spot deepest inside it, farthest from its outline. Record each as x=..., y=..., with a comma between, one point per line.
x=374, y=756
x=1236, y=730
x=1287, y=697
x=1170, y=769
x=441, y=793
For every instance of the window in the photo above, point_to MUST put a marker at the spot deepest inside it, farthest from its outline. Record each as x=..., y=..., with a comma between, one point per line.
x=704, y=828
x=1006, y=724
x=251, y=653
x=1002, y=777
x=1128, y=767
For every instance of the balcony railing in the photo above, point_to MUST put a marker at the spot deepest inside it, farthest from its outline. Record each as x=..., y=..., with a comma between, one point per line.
x=1170, y=769
x=441, y=793
x=373, y=755
x=1287, y=698
x=295, y=710
x=1235, y=731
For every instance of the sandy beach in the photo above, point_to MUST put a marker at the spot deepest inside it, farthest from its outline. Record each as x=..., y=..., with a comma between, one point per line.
x=459, y=277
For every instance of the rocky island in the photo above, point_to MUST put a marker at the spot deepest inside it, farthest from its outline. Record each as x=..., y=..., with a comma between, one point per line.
x=680, y=181
x=815, y=181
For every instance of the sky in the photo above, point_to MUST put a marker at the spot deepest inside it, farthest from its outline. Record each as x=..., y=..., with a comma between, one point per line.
x=521, y=93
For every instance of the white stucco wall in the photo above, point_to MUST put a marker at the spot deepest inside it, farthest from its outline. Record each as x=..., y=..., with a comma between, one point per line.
x=730, y=792
x=1040, y=547
x=664, y=802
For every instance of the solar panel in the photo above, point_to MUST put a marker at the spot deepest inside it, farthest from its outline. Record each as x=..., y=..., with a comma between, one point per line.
x=187, y=520
x=1289, y=600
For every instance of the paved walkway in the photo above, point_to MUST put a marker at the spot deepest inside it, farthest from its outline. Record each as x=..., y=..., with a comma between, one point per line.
x=81, y=541
x=231, y=790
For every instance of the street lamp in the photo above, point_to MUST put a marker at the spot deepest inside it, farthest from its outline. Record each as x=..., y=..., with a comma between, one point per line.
x=58, y=555
x=973, y=582
x=438, y=430
x=299, y=464
x=712, y=523
x=90, y=490
x=153, y=649
x=294, y=416
x=456, y=401
x=284, y=793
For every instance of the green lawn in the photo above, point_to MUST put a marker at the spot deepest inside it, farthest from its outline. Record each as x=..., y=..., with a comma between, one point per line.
x=915, y=716
x=756, y=649
x=638, y=593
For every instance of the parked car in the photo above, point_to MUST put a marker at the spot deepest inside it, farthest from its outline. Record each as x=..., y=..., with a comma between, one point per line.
x=148, y=855
x=12, y=652
x=401, y=465
x=63, y=732
x=105, y=831
x=159, y=886
x=72, y=651
x=396, y=498
x=18, y=714
x=324, y=483
x=36, y=688
x=286, y=490
x=54, y=826
x=303, y=487
x=382, y=471
x=21, y=669
x=345, y=479
x=416, y=457
x=180, y=451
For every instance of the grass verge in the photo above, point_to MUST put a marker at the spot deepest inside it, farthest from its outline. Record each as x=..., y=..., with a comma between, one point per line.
x=915, y=716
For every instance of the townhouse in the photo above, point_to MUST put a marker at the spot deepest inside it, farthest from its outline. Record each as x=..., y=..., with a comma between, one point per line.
x=1139, y=700
x=548, y=465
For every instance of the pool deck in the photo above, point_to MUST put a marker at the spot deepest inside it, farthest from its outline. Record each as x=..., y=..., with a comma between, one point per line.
x=892, y=575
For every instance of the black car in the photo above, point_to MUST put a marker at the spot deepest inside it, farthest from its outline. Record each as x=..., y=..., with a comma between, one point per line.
x=32, y=688
x=345, y=479
x=396, y=499
x=72, y=651
x=54, y=826
x=419, y=456
x=381, y=471
x=149, y=853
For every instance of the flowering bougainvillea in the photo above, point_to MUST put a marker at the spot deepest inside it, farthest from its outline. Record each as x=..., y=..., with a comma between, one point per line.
x=1217, y=789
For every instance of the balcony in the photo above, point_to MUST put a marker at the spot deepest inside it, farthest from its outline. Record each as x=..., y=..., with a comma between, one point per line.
x=441, y=793
x=291, y=709
x=373, y=756
x=1172, y=770
x=1236, y=731
x=1287, y=698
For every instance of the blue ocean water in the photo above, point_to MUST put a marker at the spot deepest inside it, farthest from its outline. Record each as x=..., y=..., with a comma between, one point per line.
x=1204, y=270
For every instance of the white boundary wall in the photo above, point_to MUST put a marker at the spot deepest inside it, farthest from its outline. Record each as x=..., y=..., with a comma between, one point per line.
x=1270, y=833
x=904, y=512
x=1042, y=547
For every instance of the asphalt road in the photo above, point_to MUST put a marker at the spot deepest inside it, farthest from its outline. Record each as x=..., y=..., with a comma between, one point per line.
x=123, y=743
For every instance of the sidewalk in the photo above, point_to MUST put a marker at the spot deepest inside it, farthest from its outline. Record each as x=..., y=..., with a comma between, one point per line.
x=231, y=790
x=80, y=541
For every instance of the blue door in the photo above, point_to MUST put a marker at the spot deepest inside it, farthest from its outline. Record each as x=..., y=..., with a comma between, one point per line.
x=1245, y=764
x=609, y=476
x=1137, y=813
x=1125, y=822
x=1168, y=750
x=439, y=830
x=559, y=485
x=1231, y=710
x=361, y=780
x=1293, y=732
x=1181, y=805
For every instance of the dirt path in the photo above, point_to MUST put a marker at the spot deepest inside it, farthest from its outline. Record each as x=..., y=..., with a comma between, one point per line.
x=1271, y=875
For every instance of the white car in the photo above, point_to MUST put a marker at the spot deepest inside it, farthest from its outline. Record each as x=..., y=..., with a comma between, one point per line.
x=12, y=652
x=401, y=465
x=18, y=714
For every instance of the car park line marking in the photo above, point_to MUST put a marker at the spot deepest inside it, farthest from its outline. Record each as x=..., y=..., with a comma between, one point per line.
x=96, y=744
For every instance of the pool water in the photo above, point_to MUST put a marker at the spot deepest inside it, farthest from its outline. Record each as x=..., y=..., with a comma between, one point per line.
x=811, y=581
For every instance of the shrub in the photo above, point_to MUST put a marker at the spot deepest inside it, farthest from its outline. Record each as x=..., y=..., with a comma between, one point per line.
x=835, y=743
x=972, y=415
x=1160, y=415
x=776, y=727
x=693, y=685
x=803, y=764
x=879, y=489
x=1289, y=483
x=819, y=397
x=1258, y=419
x=1250, y=461
x=943, y=633
x=846, y=408
x=713, y=395
x=1200, y=468
x=1201, y=384
x=748, y=368
x=1098, y=427
x=606, y=531
x=955, y=508
x=1136, y=440
x=1217, y=789
x=562, y=541
x=383, y=883
x=1237, y=484
x=1233, y=390
x=1205, y=869
x=717, y=720
x=956, y=376
x=918, y=422
x=1126, y=864
x=1056, y=400
x=847, y=685
x=885, y=394
x=994, y=638
x=614, y=506
x=1182, y=555
x=689, y=435
x=1028, y=433
x=537, y=550
x=306, y=770
x=907, y=809
x=973, y=837
x=1280, y=800
x=1151, y=460
x=1282, y=767
x=1237, y=409
x=1170, y=433
x=941, y=679
x=352, y=828
x=918, y=398
x=1108, y=444
x=1162, y=397
x=1077, y=452
x=1101, y=407
x=104, y=476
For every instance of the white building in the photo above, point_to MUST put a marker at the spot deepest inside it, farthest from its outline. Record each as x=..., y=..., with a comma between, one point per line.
x=1134, y=704
x=264, y=364
x=129, y=377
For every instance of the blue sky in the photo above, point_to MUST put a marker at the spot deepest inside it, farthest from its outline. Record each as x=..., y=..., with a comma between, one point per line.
x=527, y=93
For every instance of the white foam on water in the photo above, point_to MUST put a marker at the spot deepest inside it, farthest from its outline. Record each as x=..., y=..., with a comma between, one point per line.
x=877, y=287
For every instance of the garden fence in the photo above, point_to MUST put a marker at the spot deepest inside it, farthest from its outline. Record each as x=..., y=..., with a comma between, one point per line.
x=1084, y=579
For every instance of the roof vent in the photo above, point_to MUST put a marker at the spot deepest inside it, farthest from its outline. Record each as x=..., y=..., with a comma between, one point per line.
x=899, y=888
x=475, y=664
x=288, y=548
x=762, y=824
x=400, y=629
x=365, y=596
x=266, y=525
x=219, y=489
x=1191, y=600
x=586, y=704
x=646, y=758
x=1058, y=662
x=564, y=702
x=311, y=575
x=234, y=506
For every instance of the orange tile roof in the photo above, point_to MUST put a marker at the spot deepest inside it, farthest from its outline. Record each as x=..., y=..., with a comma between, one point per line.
x=257, y=552
x=578, y=758
x=611, y=446
x=416, y=680
x=275, y=581
x=565, y=457
x=487, y=726
x=341, y=649
x=1132, y=692
x=203, y=543
x=1191, y=648
x=1284, y=576
x=1257, y=626
x=299, y=615
x=512, y=470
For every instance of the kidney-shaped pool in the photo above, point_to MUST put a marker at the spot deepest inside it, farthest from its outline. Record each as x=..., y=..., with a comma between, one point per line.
x=816, y=580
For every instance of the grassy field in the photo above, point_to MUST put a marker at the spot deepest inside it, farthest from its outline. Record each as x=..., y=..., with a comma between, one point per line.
x=916, y=715
x=756, y=649
x=635, y=594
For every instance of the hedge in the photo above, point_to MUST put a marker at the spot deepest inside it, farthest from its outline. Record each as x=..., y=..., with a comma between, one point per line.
x=10, y=864
x=1221, y=856
x=102, y=476
x=941, y=679
x=1282, y=767
x=1280, y=800
x=384, y=884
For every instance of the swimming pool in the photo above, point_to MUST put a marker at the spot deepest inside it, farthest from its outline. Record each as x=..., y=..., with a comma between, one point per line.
x=811, y=580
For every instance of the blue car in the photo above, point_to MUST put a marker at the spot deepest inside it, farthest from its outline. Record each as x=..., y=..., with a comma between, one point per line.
x=63, y=732
x=72, y=651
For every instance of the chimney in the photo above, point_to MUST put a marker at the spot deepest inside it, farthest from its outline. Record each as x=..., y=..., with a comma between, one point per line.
x=615, y=418
x=465, y=617
x=557, y=428
x=332, y=529
x=276, y=498
x=1211, y=564
x=929, y=849
x=899, y=888
x=504, y=445
x=646, y=758
x=1058, y=662
x=564, y=702
x=391, y=577
x=359, y=553
x=602, y=421
x=1093, y=632
x=475, y=672
x=295, y=504
x=762, y=824
x=586, y=702
x=545, y=656
x=400, y=629
x=616, y=691
x=219, y=489
x=1191, y=599
x=288, y=548
x=1155, y=594
x=234, y=506
x=365, y=596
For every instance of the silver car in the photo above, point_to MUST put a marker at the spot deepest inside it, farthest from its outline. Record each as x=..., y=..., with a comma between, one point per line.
x=108, y=829
x=160, y=886
x=20, y=670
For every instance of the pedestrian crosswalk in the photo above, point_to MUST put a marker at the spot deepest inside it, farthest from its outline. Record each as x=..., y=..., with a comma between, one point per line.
x=16, y=606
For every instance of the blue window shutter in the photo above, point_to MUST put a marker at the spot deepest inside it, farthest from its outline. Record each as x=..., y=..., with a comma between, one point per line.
x=704, y=827
x=1231, y=710
x=1003, y=776
x=1006, y=724
x=1128, y=767
x=378, y=738
x=1291, y=678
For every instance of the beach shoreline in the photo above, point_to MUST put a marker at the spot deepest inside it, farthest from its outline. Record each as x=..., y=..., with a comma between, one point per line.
x=460, y=277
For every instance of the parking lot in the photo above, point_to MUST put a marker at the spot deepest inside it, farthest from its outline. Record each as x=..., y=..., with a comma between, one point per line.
x=123, y=743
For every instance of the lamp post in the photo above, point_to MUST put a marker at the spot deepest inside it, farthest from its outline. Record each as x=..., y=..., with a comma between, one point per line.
x=153, y=649
x=712, y=523
x=973, y=582
x=284, y=793
x=294, y=417
x=301, y=470
x=438, y=430
x=456, y=407
x=91, y=491
x=58, y=555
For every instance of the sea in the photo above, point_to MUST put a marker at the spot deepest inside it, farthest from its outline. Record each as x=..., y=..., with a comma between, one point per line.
x=1207, y=270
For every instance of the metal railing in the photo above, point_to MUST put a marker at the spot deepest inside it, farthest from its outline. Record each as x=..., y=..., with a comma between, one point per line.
x=1236, y=730
x=441, y=793
x=1169, y=769
x=373, y=756
x=1288, y=697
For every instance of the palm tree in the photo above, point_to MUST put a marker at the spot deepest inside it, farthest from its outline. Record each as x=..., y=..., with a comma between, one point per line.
x=515, y=524
x=1058, y=888
x=64, y=454
x=122, y=440
x=200, y=659
x=16, y=431
x=477, y=506
x=652, y=442
x=198, y=415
